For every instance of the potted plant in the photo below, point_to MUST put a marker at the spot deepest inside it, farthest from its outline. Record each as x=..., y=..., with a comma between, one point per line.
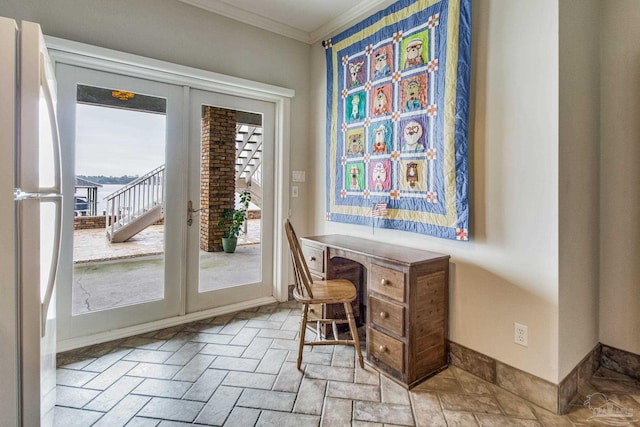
x=231, y=222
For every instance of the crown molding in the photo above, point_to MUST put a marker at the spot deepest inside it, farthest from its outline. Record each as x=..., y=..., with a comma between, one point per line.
x=224, y=9
x=364, y=8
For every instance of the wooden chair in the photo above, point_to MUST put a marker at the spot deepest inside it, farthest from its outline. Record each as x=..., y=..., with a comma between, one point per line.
x=333, y=291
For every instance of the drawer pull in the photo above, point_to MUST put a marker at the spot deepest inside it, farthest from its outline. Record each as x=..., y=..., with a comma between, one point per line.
x=384, y=314
x=382, y=348
x=312, y=258
x=385, y=282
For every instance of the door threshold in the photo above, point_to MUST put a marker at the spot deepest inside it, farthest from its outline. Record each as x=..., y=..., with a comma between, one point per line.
x=73, y=343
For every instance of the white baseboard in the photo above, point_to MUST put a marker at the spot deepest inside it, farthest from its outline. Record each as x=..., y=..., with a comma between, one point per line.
x=74, y=343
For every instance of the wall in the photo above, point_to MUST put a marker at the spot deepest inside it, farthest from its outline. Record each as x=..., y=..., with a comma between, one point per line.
x=620, y=175
x=173, y=31
x=508, y=272
x=579, y=190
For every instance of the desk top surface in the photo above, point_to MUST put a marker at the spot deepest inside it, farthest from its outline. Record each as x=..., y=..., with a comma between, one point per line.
x=379, y=250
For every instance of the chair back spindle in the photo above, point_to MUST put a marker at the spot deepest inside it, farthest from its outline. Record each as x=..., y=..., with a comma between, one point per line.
x=303, y=279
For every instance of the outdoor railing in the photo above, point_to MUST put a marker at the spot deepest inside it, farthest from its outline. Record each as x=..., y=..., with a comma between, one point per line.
x=134, y=199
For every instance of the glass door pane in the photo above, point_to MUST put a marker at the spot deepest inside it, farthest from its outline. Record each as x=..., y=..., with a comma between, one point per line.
x=231, y=148
x=118, y=200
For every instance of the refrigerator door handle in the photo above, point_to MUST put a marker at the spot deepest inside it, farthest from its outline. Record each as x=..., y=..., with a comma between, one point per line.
x=53, y=270
x=48, y=96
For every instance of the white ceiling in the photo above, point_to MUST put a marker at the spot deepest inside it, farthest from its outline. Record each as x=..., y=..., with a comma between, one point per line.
x=306, y=20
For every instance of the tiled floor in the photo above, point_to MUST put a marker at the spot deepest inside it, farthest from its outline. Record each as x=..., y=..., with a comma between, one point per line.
x=239, y=370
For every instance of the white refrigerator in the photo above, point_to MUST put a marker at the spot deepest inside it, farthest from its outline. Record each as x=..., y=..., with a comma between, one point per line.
x=30, y=226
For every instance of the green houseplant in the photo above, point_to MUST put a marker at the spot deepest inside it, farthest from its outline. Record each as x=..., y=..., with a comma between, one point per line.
x=231, y=222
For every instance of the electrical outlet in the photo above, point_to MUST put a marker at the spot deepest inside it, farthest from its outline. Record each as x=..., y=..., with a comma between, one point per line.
x=521, y=334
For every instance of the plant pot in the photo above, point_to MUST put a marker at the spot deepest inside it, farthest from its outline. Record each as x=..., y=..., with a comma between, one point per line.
x=229, y=244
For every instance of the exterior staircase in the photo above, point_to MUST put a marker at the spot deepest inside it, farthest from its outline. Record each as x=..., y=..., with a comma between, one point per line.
x=249, y=161
x=140, y=203
x=136, y=206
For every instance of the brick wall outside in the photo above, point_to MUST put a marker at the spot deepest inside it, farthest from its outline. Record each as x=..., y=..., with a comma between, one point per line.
x=91, y=222
x=217, y=176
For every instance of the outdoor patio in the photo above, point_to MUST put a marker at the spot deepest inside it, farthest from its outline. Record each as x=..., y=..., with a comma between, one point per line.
x=92, y=245
x=108, y=275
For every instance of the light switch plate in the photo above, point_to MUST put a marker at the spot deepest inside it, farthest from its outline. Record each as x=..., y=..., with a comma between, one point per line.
x=298, y=176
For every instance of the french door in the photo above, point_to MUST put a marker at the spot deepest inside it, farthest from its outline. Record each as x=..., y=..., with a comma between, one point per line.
x=132, y=153
x=215, y=278
x=123, y=162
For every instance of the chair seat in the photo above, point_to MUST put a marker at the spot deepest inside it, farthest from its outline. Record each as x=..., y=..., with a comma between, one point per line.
x=328, y=292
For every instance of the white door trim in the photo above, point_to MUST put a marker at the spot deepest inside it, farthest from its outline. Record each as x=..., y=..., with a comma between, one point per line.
x=80, y=54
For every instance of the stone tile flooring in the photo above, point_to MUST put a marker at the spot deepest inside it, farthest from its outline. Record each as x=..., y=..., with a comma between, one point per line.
x=239, y=370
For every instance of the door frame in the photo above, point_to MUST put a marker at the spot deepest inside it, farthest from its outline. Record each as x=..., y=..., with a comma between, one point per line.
x=79, y=54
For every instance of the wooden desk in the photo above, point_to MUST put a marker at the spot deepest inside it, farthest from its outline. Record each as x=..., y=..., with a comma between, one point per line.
x=406, y=293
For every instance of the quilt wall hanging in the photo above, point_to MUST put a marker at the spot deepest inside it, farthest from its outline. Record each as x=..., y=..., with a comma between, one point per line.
x=397, y=119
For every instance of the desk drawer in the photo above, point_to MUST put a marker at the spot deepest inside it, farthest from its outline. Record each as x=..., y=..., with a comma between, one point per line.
x=314, y=258
x=388, y=350
x=387, y=281
x=388, y=315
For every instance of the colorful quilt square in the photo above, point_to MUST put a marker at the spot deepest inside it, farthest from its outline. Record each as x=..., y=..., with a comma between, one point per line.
x=413, y=175
x=357, y=72
x=382, y=63
x=414, y=134
x=355, y=142
x=380, y=175
x=356, y=178
x=381, y=137
x=356, y=107
x=415, y=50
x=414, y=92
x=381, y=100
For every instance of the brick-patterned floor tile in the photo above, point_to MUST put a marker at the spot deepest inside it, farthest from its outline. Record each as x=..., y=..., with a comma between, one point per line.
x=69, y=417
x=206, y=385
x=74, y=397
x=123, y=411
x=282, y=419
x=154, y=370
x=162, y=388
x=171, y=409
x=111, y=375
x=196, y=366
x=266, y=399
x=111, y=396
x=240, y=369
x=220, y=406
x=249, y=379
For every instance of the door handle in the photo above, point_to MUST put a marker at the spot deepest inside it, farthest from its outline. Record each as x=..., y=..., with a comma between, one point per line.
x=190, y=212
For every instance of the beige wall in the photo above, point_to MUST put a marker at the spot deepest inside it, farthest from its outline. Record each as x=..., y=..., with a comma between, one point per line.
x=508, y=272
x=578, y=180
x=172, y=31
x=620, y=175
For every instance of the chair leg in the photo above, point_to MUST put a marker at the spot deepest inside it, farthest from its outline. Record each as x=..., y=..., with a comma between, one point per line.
x=303, y=328
x=354, y=331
